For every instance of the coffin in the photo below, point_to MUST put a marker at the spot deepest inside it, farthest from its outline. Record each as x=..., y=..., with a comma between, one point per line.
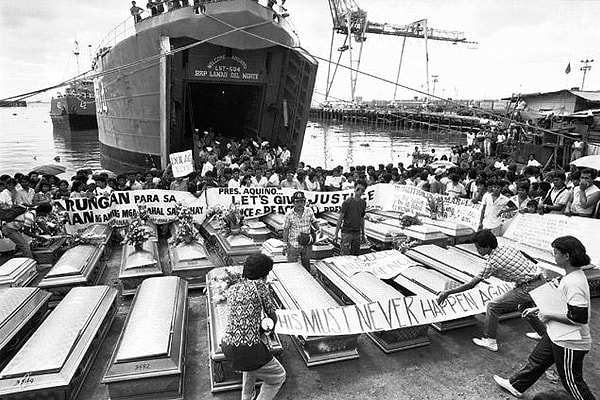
x=137, y=265
x=274, y=248
x=16, y=272
x=54, y=362
x=149, y=359
x=21, y=311
x=545, y=261
x=232, y=249
x=456, y=264
x=451, y=229
x=222, y=375
x=79, y=266
x=295, y=288
x=100, y=232
x=189, y=261
x=274, y=222
x=152, y=230
x=423, y=281
x=48, y=254
x=380, y=234
x=362, y=288
x=256, y=230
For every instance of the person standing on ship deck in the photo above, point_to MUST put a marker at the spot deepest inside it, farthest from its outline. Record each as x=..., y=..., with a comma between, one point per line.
x=352, y=221
x=136, y=12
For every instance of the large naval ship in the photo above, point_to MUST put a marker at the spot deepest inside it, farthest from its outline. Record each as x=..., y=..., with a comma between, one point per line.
x=237, y=68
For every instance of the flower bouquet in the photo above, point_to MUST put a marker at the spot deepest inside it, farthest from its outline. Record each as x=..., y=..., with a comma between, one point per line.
x=435, y=205
x=186, y=230
x=220, y=284
x=137, y=234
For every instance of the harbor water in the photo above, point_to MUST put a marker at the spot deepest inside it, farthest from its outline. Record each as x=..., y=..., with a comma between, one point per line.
x=28, y=139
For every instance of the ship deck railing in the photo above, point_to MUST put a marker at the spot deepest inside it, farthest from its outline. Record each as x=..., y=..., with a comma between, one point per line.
x=127, y=28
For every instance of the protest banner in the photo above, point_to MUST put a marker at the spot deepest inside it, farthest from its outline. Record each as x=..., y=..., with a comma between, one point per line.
x=182, y=163
x=255, y=201
x=119, y=208
x=395, y=313
x=386, y=264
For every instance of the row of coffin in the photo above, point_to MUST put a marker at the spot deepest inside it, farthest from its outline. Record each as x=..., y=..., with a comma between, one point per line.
x=54, y=359
x=84, y=264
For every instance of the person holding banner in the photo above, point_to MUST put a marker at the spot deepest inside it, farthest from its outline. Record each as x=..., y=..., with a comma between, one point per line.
x=352, y=221
x=298, y=228
x=510, y=265
x=566, y=351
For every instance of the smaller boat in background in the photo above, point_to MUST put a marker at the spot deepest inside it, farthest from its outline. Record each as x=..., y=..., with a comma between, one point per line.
x=76, y=108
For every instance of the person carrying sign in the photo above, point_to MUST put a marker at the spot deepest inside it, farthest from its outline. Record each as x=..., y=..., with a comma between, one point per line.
x=298, y=227
x=510, y=265
x=352, y=221
x=564, y=351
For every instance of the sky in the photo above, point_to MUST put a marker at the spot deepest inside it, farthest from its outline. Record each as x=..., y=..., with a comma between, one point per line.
x=523, y=46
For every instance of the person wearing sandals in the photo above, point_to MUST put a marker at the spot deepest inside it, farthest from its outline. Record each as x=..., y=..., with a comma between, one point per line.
x=242, y=342
x=566, y=353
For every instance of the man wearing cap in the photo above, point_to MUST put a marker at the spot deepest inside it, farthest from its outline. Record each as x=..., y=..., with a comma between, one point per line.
x=297, y=231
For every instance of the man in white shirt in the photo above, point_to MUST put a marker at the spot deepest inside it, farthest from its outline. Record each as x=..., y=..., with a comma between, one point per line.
x=493, y=204
x=24, y=196
x=532, y=162
x=258, y=180
x=234, y=182
x=585, y=196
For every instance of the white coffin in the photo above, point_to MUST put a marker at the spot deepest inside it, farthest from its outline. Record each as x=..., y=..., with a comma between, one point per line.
x=137, y=265
x=19, y=271
x=148, y=361
x=54, y=362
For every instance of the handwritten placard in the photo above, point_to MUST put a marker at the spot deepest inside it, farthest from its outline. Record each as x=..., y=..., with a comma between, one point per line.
x=182, y=163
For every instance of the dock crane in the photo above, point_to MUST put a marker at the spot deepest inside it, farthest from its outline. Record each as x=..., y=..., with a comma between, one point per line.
x=350, y=20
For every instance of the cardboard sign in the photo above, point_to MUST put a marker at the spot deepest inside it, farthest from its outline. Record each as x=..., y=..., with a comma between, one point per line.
x=384, y=316
x=182, y=163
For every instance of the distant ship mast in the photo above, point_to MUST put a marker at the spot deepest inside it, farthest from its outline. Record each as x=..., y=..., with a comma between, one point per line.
x=76, y=52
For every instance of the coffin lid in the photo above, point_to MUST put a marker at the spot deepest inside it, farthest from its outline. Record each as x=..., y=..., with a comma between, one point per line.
x=255, y=224
x=96, y=230
x=428, y=278
x=11, y=299
x=13, y=265
x=73, y=261
x=139, y=259
x=239, y=240
x=189, y=251
x=306, y=291
x=150, y=324
x=51, y=344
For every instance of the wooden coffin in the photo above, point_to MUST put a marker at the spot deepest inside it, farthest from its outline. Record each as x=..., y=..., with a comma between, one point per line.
x=363, y=288
x=49, y=253
x=295, y=288
x=81, y=265
x=381, y=235
x=256, y=230
x=149, y=359
x=100, y=232
x=274, y=222
x=54, y=362
x=455, y=231
x=458, y=265
x=189, y=261
x=329, y=231
x=423, y=281
x=21, y=311
x=232, y=249
x=274, y=248
x=137, y=265
x=425, y=233
x=545, y=261
x=16, y=272
x=222, y=375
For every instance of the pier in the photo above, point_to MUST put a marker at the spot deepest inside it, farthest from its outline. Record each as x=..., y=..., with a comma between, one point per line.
x=399, y=119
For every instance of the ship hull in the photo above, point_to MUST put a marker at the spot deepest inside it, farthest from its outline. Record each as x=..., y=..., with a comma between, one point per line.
x=232, y=83
x=74, y=113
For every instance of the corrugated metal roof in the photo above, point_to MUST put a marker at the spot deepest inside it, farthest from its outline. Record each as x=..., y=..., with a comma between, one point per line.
x=593, y=96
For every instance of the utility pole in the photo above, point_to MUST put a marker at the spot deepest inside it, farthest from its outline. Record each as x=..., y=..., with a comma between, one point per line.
x=586, y=67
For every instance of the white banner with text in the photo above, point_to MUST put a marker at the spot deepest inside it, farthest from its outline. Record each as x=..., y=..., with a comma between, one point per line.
x=396, y=313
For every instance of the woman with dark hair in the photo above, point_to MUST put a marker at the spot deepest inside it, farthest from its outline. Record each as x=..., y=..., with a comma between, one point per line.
x=566, y=351
x=241, y=342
